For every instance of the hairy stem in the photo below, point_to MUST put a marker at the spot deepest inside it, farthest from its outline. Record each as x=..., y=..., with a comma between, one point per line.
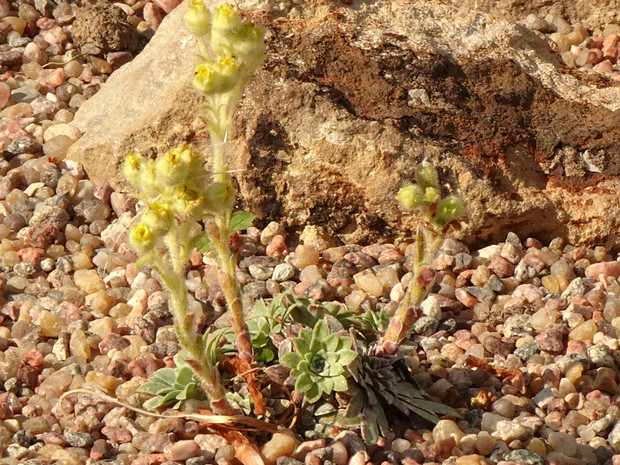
x=427, y=246
x=184, y=326
x=218, y=227
x=230, y=286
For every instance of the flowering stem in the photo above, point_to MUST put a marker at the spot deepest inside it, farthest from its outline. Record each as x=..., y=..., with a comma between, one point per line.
x=427, y=245
x=218, y=227
x=184, y=324
x=229, y=284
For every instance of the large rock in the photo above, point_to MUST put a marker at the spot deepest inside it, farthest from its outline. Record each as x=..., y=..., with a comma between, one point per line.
x=592, y=14
x=353, y=97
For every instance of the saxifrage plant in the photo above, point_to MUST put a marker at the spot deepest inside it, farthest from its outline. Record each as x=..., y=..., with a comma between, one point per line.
x=178, y=193
x=437, y=216
x=381, y=382
x=319, y=365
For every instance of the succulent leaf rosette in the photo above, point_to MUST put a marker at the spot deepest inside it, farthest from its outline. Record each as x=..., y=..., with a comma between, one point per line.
x=319, y=367
x=384, y=385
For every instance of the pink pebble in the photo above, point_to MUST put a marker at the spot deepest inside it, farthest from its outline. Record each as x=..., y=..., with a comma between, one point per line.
x=182, y=450
x=594, y=56
x=56, y=77
x=596, y=42
x=465, y=298
x=130, y=273
x=277, y=247
x=153, y=15
x=103, y=190
x=610, y=46
x=604, y=66
x=44, y=23
x=55, y=35
x=5, y=94
x=167, y=5
x=604, y=268
x=301, y=287
x=5, y=28
x=31, y=254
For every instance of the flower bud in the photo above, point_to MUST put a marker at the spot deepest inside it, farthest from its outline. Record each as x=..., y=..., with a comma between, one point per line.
x=226, y=24
x=147, y=181
x=449, y=209
x=219, y=77
x=205, y=79
x=187, y=200
x=426, y=176
x=220, y=196
x=177, y=164
x=141, y=238
x=169, y=167
x=430, y=194
x=198, y=18
x=132, y=166
x=249, y=46
x=158, y=217
x=410, y=196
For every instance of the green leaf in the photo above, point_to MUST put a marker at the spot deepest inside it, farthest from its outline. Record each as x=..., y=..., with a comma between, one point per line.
x=301, y=344
x=165, y=376
x=313, y=394
x=184, y=376
x=370, y=429
x=170, y=397
x=304, y=383
x=340, y=383
x=154, y=403
x=154, y=388
x=321, y=331
x=327, y=385
x=346, y=357
x=266, y=355
x=241, y=221
x=203, y=243
x=331, y=342
x=291, y=359
x=356, y=404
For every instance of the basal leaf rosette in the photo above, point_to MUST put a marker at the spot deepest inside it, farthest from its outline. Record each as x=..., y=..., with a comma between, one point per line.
x=319, y=366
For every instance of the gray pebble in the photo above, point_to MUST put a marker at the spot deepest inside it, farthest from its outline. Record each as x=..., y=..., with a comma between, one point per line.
x=76, y=439
x=260, y=272
x=425, y=326
x=481, y=293
x=14, y=221
x=255, y=290
x=23, y=144
x=49, y=214
x=25, y=269
x=525, y=457
x=24, y=93
x=526, y=351
x=16, y=451
x=283, y=272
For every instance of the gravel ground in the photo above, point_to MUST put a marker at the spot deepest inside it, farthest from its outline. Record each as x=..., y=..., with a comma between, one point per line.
x=521, y=337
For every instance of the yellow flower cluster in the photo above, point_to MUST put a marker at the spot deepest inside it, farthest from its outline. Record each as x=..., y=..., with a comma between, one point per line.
x=426, y=196
x=239, y=46
x=172, y=192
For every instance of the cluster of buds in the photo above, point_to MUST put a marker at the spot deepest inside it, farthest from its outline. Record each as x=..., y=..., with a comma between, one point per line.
x=239, y=47
x=425, y=195
x=172, y=193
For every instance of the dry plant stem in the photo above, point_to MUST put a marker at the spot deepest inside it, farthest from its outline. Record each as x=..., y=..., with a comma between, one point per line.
x=172, y=277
